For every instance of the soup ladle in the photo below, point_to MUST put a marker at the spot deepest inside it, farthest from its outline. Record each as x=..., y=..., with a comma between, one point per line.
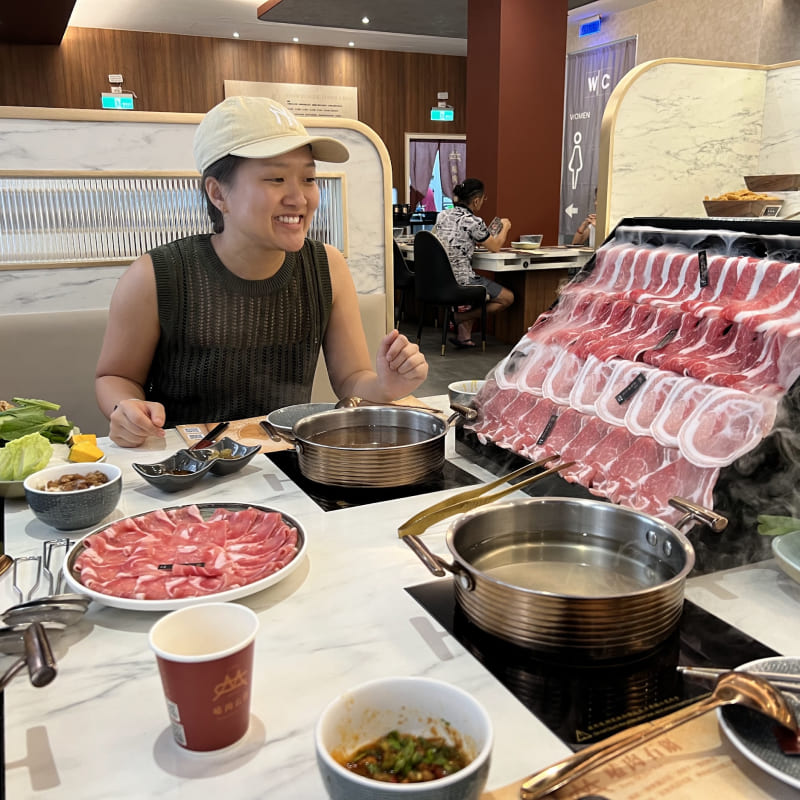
x=731, y=688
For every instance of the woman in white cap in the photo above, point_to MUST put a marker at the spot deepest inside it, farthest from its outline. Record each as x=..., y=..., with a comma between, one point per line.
x=229, y=325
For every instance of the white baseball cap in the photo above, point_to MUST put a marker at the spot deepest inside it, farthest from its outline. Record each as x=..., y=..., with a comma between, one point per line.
x=257, y=127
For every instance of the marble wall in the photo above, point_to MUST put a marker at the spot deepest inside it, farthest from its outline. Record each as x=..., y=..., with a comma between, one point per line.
x=675, y=132
x=96, y=140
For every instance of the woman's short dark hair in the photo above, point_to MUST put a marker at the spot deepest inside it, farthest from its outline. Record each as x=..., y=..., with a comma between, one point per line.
x=223, y=170
x=468, y=190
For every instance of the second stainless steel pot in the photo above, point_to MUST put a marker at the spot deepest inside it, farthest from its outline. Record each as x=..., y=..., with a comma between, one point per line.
x=370, y=446
x=563, y=575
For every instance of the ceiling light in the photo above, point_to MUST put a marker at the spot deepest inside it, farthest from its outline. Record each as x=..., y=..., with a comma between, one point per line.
x=365, y=20
x=236, y=34
x=295, y=38
x=351, y=44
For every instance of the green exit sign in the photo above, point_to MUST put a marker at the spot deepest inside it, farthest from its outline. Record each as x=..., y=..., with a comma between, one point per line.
x=119, y=101
x=442, y=114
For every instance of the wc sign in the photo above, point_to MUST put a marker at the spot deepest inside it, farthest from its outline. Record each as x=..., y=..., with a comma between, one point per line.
x=592, y=75
x=598, y=81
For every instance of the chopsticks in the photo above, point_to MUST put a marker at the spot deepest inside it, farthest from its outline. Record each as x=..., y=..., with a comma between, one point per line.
x=210, y=437
x=786, y=682
x=472, y=498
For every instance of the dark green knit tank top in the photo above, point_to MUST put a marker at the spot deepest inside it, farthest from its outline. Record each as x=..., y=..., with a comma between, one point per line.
x=233, y=348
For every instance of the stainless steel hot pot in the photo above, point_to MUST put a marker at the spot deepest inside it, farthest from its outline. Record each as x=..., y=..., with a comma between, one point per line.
x=570, y=576
x=371, y=446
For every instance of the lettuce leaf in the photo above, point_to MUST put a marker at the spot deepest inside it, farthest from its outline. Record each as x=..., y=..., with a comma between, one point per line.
x=24, y=456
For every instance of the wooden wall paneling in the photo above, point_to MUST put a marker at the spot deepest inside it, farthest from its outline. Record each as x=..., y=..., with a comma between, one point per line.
x=186, y=74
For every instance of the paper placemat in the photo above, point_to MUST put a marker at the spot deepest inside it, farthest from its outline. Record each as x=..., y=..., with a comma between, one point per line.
x=692, y=761
x=246, y=431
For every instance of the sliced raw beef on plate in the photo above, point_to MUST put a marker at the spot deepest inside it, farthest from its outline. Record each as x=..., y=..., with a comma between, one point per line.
x=602, y=458
x=535, y=370
x=679, y=269
x=727, y=424
x=559, y=381
x=625, y=381
x=590, y=383
x=665, y=325
x=679, y=478
x=720, y=281
x=765, y=308
x=580, y=448
x=686, y=395
x=532, y=427
x=648, y=401
x=631, y=467
x=614, y=343
x=690, y=332
x=195, y=557
x=620, y=316
x=613, y=268
x=508, y=430
x=566, y=428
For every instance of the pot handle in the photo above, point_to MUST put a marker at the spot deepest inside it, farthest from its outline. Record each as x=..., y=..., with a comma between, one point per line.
x=467, y=412
x=275, y=434
x=438, y=566
x=693, y=511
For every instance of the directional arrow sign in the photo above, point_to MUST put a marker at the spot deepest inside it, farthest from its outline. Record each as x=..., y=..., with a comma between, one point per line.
x=571, y=211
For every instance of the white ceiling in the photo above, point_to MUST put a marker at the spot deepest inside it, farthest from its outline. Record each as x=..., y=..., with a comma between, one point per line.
x=220, y=18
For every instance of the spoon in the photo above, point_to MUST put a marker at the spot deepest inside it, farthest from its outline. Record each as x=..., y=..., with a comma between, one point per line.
x=731, y=688
x=355, y=402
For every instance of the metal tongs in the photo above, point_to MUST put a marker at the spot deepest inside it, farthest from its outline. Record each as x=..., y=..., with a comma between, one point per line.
x=38, y=657
x=472, y=498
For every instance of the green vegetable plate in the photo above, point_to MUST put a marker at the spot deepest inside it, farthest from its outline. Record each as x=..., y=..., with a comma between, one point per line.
x=11, y=489
x=786, y=550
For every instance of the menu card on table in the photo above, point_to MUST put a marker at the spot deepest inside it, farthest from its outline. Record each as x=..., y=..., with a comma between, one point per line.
x=692, y=761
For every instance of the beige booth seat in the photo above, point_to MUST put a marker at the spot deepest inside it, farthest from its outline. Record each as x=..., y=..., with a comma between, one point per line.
x=52, y=356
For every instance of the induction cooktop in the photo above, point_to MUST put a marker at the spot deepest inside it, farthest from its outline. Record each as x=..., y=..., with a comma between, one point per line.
x=582, y=702
x=333, y=498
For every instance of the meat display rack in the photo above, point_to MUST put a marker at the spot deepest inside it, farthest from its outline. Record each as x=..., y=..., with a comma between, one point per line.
x=705, y=315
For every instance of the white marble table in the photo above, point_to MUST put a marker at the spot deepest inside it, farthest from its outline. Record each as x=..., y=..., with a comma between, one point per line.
x=100, y=731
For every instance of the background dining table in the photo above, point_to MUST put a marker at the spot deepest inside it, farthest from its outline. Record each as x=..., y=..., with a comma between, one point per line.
x=100, y=729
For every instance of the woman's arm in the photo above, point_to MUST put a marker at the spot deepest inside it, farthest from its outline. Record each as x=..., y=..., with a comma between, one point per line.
x=494, y=243
x=582, y=234
x=128, y=346
x=400, y=367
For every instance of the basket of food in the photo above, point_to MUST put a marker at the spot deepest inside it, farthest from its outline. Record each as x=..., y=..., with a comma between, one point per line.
x=743, y=203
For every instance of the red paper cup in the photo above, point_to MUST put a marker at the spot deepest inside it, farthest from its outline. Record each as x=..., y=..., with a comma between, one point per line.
x=205, y=657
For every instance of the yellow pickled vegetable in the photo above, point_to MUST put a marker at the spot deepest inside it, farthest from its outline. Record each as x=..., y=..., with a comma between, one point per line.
x=85, y=451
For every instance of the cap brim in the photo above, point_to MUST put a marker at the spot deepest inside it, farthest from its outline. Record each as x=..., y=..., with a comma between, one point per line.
x=323, y=148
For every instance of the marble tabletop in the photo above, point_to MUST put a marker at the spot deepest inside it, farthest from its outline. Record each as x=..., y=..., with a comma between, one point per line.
x=100, y=729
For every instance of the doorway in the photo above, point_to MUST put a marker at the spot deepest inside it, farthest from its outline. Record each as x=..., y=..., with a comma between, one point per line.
x=433, y=151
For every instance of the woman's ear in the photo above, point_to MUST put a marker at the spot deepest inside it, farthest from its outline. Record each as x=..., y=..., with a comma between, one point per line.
x=215, y=193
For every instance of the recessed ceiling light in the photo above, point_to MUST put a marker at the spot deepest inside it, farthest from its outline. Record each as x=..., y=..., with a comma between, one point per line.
x=365, y=20
x=295, y=38
x=351, y=44
x=236, y=34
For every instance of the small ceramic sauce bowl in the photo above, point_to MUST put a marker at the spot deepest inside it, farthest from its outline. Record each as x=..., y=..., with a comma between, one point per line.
x=227, y=455
x=176, y=473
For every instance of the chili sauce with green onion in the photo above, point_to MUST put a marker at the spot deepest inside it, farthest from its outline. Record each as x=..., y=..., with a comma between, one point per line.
x=403, y=758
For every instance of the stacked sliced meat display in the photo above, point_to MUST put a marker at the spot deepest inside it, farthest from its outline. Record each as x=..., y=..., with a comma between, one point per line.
x=176, y=553
x=656, y=368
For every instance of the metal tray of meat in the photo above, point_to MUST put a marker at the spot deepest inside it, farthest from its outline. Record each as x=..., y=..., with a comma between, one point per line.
x=72, y=574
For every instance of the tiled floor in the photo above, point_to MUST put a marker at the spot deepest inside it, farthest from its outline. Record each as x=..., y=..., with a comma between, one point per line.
x=455, y=365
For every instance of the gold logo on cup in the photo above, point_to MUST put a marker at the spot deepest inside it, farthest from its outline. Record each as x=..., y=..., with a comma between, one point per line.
x=230, y=684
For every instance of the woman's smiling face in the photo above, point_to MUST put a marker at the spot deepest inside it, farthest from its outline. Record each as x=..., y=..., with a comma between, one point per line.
x=272, y=200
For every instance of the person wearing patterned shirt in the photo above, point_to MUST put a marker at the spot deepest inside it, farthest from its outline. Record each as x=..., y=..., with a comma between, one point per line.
x=229, y=325
x=460, y=229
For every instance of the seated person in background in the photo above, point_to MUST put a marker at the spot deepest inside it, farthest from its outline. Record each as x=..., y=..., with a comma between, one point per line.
x=460, y=228
x=583, y=234
x=229, y=325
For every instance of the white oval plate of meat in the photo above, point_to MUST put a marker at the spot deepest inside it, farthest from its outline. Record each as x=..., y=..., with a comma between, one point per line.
x=172, y=557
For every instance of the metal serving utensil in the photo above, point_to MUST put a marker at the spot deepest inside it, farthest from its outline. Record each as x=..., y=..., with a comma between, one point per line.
x=731, y=688
x=473, y=498
x=37, y=656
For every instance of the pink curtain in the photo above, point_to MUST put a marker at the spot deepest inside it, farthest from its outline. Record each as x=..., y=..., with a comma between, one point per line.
x=422, y=156
x=452, y=165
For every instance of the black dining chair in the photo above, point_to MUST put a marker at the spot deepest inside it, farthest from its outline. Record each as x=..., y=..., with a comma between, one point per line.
x=435, y=285
x=403, y=282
